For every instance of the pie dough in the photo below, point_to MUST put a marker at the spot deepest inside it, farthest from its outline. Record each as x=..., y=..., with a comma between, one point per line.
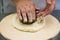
x=36, y=26
x=50, y=30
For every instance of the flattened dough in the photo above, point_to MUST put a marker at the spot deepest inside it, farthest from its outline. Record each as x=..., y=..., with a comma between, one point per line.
x=36, y=26
x=50, y=30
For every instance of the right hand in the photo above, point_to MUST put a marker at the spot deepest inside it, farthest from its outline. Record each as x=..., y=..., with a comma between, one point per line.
x=26, y=11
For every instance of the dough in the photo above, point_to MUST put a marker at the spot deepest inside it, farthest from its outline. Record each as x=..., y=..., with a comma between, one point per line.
x=27, y=27
x=50, y=30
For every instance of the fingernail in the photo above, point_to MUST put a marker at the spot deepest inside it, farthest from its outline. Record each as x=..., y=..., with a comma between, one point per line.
x=30, y=21
x=20, y=18
x=25, y=20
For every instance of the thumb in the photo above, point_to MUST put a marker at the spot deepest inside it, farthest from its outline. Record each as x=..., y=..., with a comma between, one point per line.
x=37, y=8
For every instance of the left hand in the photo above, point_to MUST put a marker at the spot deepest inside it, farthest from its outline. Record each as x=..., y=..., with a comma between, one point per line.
x=50, y=5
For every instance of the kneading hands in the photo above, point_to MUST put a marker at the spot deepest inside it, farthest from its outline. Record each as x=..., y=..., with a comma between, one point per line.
x=26, y=9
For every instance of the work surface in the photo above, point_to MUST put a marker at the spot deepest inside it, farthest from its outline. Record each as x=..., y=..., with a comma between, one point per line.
x=55, y=13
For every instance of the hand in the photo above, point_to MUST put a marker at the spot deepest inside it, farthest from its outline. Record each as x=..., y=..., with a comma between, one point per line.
x=50, y=5
x=26, y=11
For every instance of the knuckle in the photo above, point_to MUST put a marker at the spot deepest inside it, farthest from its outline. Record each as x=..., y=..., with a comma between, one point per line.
x=32, y=7
x=23, y=10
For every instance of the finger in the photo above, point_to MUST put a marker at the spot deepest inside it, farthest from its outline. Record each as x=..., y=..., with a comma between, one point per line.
x=33, y=12
x=29, y=14
x=44, y=15
x=24, y=15
x=19, y=14
x=40, y=14
x=37, y=9
x=33, y=15
x=29, y=17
